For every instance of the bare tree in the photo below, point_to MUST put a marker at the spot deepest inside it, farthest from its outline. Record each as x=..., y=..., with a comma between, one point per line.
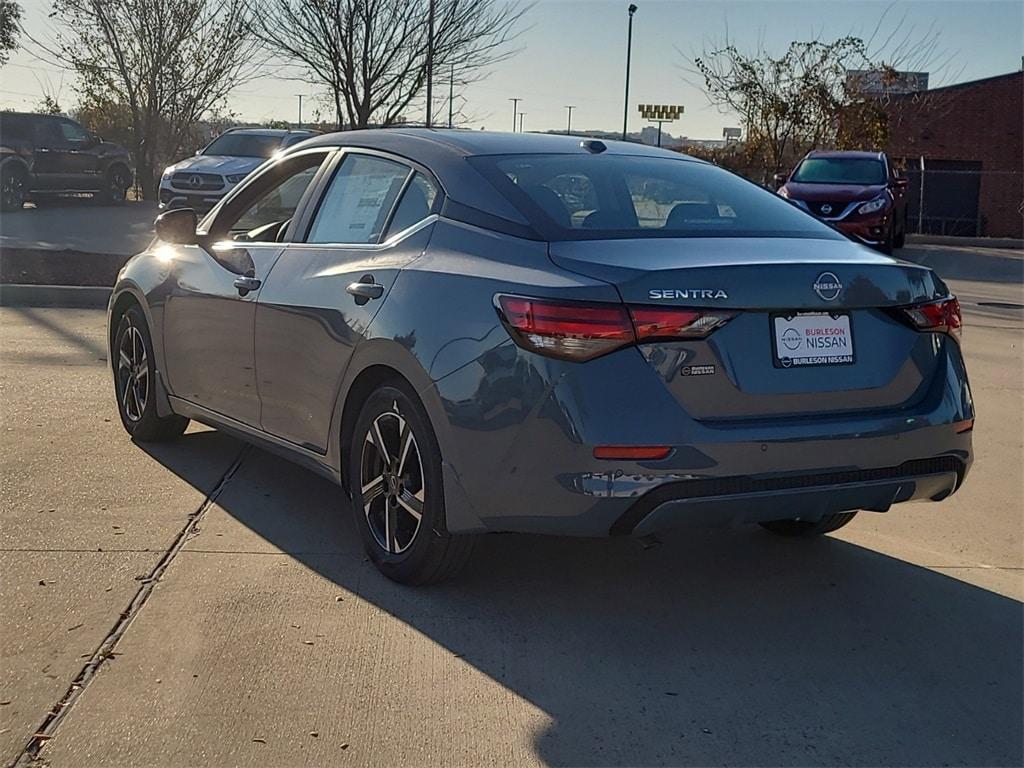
x=10, y=20
x=372, y=54
x=165, y=63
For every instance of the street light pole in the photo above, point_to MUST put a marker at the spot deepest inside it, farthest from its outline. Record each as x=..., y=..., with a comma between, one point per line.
x=521, y=114
x=515, y=111
x=300, y=110
x=430, y=62
x=451, y=98
x=568, y=124
x=629, y=53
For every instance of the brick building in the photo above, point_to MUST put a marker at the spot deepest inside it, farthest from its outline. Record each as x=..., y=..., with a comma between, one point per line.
x=971, y=138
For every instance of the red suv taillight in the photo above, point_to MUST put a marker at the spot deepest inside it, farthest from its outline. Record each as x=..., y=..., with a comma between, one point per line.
x=580, y=331
x=937, y=316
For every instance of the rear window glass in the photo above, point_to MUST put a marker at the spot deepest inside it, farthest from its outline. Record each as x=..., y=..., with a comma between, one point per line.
x=840, y=170
x=572, y=197
x=244, y=145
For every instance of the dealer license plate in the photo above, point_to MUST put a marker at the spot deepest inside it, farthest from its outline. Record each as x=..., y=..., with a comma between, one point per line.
x=812, y=338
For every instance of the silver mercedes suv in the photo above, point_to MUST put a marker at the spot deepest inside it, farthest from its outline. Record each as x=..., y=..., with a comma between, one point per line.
x=200, y=181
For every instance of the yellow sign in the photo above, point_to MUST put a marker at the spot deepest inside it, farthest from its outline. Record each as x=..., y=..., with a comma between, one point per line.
x=660, y=111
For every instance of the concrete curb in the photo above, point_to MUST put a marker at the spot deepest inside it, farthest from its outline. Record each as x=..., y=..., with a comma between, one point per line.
x=70, y=296
x=966, y=242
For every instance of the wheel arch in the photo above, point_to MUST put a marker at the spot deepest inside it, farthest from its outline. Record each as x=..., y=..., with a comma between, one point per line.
x=121, y=300
x=375, y=362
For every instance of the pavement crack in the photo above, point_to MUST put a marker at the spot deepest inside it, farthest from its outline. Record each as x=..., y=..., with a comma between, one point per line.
x=106, y=650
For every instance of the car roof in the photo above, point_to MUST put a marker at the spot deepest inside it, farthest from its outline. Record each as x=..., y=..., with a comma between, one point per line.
x=464, y=142
x=846, y=153
x=269, y=131
x=445, y=151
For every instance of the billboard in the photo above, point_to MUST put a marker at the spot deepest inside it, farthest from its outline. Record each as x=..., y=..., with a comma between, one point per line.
x=882, y=81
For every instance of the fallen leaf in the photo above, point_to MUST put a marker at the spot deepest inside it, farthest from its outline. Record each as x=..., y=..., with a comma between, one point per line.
x=77, y=626
x=5, y=703
x=307, y=642
x=339, y=599
x=345, y=745
x=314, y=734
x=260, y=741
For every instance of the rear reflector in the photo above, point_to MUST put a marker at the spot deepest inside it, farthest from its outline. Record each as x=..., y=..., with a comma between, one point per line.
x=963, y=426
x=573, y=330
x=631, y=452
x=938, y=316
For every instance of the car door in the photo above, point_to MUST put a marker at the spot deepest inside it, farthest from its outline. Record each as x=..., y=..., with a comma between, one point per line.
x=80, y=162
x=50, y=155
x=210, y=309
x=324, y=291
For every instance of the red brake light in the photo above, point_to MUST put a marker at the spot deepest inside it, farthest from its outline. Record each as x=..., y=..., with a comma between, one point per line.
x=939, y=316
x=567, y=330
x=674, y=323
x=573, y=330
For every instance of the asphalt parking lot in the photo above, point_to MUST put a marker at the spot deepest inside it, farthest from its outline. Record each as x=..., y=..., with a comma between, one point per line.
x=206, y=604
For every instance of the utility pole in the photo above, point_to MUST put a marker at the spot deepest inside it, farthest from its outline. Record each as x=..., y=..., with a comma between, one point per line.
x=430, y=62
x=300, y=110
x=568, y=124
x=629, y=54
x=515, y=107
x=521, y=115
x=451, y=98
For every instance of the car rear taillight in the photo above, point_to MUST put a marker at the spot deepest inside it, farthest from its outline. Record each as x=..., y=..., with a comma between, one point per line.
x=938, y=316
x=672, y=323
x=580, y=331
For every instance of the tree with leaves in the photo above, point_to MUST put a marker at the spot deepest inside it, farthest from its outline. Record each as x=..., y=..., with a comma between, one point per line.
x=372, y=55
x=10, y=26
x=159, y=64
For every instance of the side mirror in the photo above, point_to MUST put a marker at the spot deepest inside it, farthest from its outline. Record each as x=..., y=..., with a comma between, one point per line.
x=178, y=227
x=901, y=183
x=95, y=139
x=781, y=178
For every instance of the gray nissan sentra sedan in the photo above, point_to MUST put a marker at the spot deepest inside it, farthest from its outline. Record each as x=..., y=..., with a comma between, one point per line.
x=476, y=332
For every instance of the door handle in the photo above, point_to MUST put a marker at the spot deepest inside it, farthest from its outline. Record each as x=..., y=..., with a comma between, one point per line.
x=365, y=289
x=246, y=284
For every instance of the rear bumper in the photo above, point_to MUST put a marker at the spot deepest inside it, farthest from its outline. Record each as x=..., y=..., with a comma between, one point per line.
x=521, y=430
x=732, y=501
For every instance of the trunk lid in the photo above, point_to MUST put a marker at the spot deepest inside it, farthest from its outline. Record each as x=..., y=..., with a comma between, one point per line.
x=738, y=372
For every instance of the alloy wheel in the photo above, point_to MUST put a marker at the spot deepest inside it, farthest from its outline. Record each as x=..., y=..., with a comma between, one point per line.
x=392, y=482
x=13, y=190
x=133, y=373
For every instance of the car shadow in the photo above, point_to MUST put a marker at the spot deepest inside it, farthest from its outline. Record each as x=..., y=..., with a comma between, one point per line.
x=715, y=647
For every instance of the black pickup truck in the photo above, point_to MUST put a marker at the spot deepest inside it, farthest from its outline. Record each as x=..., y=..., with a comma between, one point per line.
x=44, y=155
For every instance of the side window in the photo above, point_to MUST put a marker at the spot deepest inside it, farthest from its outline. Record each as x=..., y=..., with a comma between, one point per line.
x=355, y=207
x=416, y=204
x=263, y=208
x=72, y=132
x=47, y=134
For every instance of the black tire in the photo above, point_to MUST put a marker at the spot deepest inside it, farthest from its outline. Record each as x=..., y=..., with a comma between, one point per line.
x=135, y=382
x=405, y=548
x=115, y=186
x=808, y=528
x=13, y=187
x=901, y=239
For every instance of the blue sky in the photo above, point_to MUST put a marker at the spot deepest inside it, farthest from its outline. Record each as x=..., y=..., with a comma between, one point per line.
x=573, y=52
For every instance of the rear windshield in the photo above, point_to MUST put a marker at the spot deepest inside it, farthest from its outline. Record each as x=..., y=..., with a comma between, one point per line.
x=574, y=197
x=244, y=145
x=840, y=170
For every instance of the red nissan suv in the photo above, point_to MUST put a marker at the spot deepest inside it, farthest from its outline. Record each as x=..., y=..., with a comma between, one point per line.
x=858, y=193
